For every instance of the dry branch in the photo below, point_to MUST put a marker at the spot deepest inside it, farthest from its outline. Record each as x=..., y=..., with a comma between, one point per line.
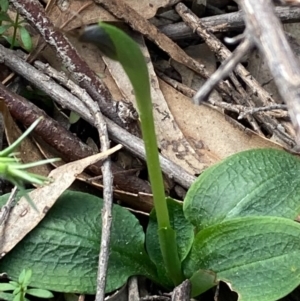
x=80, y=71
x=226, y=22
x=264, y=28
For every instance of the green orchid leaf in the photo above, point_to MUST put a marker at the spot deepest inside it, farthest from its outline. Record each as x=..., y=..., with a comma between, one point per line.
x=184, y=238
x=257, y=256
x=262, y=182
x=62, y=251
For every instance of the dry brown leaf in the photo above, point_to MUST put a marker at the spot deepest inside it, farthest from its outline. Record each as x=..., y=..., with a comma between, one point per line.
x=259, y=69
x=93, y=58
x=213, y=135
x=95, y=13
x=89, y=15
x=23, y=218
x=140, y=201
x=171, y=141
x=190, y=78
x=147, y=8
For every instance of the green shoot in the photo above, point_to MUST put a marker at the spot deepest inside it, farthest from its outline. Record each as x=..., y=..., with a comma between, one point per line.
x=118, y=46
x=17, y=26
x=12, y=170
x=20, y=288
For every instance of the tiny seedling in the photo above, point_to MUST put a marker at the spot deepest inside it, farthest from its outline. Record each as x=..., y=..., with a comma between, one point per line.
x=7, y=23
x=14, y=171
x=20, y=288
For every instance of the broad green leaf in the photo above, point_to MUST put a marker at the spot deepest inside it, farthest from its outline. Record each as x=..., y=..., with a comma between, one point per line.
x=37, y=292
x=62, y=251
x=25, y=38
x=184, y=238
x=262, y=182
x=257, y=256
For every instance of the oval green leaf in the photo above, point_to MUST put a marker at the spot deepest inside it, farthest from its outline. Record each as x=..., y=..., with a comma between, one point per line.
x=62, y=251
x=6, y=287
x=40, y=293
x=262, y=182
x=257, y=256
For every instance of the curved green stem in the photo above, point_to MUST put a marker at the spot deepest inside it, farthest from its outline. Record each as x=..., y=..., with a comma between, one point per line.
x=127, y=52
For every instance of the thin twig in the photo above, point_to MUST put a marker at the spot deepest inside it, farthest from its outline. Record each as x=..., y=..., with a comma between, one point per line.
x=212, y=101
x=260, y=109
x=4, y=212
x=223, y=71
x=100, y=124
x=226, y=22
x=264, y=28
